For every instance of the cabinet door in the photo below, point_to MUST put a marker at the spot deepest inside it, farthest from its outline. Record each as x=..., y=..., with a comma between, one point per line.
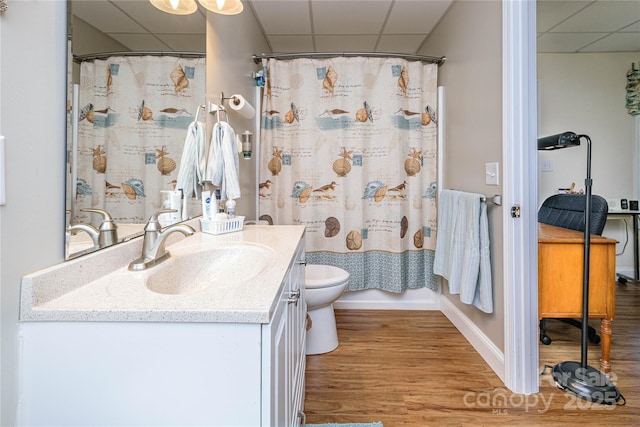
x=297, y=320
x=276, y=377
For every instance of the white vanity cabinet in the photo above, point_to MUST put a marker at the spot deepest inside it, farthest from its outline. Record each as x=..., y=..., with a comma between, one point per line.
x=154, y=373
x=285, y=367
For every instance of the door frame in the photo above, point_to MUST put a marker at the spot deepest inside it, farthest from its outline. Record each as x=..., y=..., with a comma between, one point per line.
x=519, y=157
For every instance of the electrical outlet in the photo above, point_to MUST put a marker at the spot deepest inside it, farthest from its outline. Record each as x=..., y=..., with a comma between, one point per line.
x=491, y=174
x=547, y=166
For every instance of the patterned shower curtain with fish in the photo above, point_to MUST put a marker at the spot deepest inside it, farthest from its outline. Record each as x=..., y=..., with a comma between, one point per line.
x=134, y=115
x=349, y=149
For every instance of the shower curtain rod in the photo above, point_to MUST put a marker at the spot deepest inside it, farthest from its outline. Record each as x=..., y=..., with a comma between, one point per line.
x=434, y=59
x=105, y=55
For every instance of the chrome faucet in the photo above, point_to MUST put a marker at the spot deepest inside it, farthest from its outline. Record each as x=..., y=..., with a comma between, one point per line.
x=153, y=251
x=103, y=236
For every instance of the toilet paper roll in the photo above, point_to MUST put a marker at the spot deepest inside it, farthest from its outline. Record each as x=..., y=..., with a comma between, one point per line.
x=239, y=104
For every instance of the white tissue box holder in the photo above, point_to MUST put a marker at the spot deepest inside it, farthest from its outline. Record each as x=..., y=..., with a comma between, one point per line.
x=222, y=226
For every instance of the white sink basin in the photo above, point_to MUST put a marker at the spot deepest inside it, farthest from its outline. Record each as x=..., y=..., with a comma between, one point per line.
x=220, y=267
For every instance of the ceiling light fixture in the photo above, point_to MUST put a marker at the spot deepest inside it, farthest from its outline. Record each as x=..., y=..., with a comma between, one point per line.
x=176, y=7
x=223, y=7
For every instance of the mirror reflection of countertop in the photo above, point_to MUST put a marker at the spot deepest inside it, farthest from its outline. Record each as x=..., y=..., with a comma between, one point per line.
x=80, y=242
x=99, y=287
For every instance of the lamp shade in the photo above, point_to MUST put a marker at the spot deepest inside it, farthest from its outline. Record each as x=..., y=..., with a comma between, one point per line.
x=176, y=7
x=561, y=140
x=223, y=7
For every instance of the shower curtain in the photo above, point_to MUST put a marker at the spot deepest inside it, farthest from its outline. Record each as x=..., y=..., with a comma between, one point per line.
x=349, y=149
x=134, y=115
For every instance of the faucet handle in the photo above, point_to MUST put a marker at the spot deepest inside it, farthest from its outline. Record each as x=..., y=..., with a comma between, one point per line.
x=105, y=215
x=153, y=224
x=107, y=220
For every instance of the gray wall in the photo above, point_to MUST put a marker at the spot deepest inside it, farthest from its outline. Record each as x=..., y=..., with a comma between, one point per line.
x=472, y=77
x=230, y=70
x=32, y=119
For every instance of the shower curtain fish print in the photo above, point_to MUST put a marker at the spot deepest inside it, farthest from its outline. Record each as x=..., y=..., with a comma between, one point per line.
x=349, y=149
x=134, y=115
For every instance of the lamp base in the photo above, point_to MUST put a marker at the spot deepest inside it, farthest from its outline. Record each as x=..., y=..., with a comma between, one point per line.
x=586, y=383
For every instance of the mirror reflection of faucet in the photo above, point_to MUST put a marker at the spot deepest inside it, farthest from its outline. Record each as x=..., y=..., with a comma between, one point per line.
x=104, y=235
x=155, y=239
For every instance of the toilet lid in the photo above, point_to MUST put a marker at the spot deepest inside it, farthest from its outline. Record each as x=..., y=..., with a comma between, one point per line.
x=321, y=276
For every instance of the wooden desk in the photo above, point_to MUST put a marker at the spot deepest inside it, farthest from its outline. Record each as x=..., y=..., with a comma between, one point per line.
x=560, y=265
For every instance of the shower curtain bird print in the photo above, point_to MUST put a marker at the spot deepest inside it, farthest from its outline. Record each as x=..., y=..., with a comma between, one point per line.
x=133, y=121
x=349, y=149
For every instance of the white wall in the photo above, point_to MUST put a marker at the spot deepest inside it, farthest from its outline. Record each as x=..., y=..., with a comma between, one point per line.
x=585, y=93
x=472, y=77
x=32, y=118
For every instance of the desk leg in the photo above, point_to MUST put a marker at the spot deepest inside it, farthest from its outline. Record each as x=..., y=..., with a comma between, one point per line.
x=635, y=247
x=605, y=334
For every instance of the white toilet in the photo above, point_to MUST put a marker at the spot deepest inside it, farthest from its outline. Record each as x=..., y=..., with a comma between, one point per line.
x=323, y=285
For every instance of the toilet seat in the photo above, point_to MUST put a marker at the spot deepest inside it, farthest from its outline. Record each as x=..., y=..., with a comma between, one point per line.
x=324, y=276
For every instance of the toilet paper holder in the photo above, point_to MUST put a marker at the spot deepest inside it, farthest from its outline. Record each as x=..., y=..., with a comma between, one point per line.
x=241, y=105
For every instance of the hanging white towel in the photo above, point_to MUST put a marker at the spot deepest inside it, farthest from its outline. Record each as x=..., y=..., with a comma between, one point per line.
x=193, y=162
x=222, y=161
x=462, y=248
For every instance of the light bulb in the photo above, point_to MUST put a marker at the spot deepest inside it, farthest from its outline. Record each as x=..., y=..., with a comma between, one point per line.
x=176, y=7
x=223, y=7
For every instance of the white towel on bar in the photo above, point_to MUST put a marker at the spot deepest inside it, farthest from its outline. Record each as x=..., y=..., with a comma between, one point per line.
x=462, y=248
x=222, y=161
x=193, y=162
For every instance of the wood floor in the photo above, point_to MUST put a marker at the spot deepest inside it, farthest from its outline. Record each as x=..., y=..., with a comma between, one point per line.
x=411, y=368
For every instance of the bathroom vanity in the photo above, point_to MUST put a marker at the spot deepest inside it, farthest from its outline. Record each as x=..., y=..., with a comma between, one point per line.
x=101, y=345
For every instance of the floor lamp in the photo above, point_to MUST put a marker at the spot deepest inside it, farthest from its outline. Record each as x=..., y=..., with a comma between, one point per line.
x=581, y=379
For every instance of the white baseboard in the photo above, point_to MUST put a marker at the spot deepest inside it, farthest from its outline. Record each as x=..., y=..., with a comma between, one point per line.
x=374, y=299
x=483, y=345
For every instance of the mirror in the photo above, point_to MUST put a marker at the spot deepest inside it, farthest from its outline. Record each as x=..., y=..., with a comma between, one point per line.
x=136, y=81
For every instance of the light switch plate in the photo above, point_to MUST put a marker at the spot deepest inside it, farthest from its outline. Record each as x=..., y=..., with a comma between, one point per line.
x=492, y=176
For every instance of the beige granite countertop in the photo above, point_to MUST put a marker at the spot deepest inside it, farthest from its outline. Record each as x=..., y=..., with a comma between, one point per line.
x=99, y=286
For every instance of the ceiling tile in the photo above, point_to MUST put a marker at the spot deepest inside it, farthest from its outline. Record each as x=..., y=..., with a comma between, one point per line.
x=400, y=43
x=105, y=17
x=550, y=13
x=565, y=42
x=156, y=20
x=602, y=16
x=618, y=42
x=633, y=27
x=185, y=42
x=283, y=17
x=353, y=43
x=349, y=16
x=415, y=17
x=291, y=44
x=141, y=42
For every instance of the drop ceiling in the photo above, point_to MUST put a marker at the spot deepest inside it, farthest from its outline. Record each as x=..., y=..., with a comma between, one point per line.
x=399, y=26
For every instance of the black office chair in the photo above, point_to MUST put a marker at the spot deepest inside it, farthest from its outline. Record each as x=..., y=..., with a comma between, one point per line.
x=567, y=211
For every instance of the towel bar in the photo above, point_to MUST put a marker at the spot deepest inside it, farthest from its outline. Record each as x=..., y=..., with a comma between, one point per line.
x=496, y=199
